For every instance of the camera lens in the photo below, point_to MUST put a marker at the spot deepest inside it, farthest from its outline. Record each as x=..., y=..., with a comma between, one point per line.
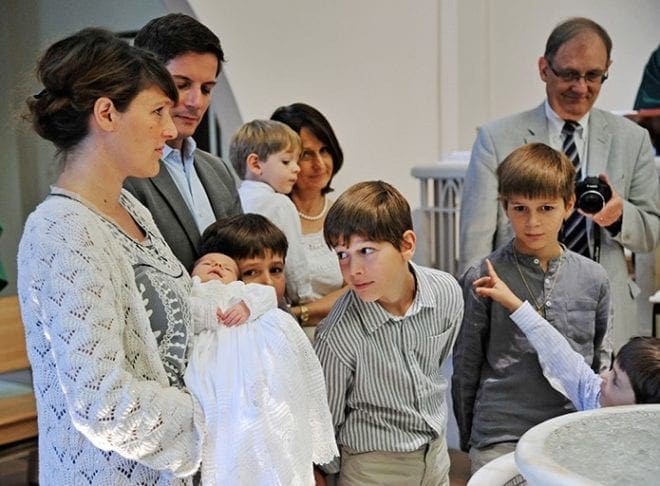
x=591, y=194
x=591, y=202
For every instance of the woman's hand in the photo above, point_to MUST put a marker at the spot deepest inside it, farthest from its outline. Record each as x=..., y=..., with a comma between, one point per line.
x=236, y=315
x=493, y=287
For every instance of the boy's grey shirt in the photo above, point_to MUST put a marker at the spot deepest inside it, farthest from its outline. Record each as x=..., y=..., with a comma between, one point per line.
x=616, y=147
x=383, y=374
x=498, y=387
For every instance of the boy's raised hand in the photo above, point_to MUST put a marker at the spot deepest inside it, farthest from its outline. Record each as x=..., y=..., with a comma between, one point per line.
x=493, y=287
x=236, y=315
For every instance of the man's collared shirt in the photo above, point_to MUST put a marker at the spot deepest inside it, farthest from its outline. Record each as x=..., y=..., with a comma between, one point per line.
x=556, y=138
x=181, y=167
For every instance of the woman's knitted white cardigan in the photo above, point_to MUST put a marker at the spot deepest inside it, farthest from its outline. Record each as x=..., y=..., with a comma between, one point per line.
x=106, y=412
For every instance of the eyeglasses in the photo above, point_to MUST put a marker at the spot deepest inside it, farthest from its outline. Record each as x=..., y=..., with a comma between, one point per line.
x=572, y=76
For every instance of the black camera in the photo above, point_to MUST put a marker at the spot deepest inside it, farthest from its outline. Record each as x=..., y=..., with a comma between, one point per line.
x=591, y=194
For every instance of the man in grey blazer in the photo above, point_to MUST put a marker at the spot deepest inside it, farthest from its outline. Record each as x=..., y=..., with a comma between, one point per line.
x=193, y=188
x=574, y=66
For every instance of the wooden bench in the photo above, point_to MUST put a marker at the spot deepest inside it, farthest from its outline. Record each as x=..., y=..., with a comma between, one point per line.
x=18, y=410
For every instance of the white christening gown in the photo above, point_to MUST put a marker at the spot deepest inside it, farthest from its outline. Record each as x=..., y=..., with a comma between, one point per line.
x=262, y=391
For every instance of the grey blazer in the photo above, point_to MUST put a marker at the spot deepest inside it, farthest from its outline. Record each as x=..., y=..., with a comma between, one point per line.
x=170, y=212
x=617, y=147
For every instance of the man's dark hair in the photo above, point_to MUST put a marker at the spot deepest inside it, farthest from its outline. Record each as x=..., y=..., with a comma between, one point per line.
x=639, y=358
x=176, y=34
x=243, y=236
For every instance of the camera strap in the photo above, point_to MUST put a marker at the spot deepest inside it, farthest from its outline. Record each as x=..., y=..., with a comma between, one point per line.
x=596, y=233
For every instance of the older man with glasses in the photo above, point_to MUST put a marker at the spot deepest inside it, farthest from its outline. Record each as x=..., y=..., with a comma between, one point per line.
x=574, y=67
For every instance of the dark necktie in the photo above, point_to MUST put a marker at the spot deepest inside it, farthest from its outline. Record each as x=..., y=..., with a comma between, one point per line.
x=575, y=227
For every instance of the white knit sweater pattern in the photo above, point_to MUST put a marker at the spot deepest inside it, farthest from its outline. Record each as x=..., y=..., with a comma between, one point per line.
x=107, y=414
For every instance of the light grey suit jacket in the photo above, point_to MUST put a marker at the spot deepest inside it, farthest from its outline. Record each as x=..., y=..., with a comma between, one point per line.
x=617, y=147
x=170, y=212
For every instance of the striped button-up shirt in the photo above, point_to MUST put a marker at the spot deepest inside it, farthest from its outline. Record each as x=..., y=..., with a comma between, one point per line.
x=382, y=372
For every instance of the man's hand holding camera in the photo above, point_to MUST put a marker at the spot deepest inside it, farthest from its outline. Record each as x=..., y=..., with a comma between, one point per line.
x=597, y=199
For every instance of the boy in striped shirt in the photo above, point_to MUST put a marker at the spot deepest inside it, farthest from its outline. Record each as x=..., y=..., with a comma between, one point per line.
x=383, y=344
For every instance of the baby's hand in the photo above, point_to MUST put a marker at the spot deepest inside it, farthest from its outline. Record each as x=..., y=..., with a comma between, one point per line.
x=236, y=315
x=491, y=286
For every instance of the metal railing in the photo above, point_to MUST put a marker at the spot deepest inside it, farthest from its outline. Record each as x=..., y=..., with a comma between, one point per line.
x=437, y=219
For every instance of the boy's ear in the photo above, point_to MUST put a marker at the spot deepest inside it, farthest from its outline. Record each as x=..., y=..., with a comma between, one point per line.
x=570, y=204
x=408, y=244
x=253, y=164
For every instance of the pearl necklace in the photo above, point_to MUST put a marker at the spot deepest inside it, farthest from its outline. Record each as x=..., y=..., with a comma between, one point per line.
x=318, y=216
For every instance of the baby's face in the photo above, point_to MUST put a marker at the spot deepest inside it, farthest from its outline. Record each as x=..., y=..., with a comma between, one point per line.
x=216, y=266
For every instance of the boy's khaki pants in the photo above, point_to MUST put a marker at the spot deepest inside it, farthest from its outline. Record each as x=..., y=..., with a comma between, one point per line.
x=480, y=457
x=427, y=466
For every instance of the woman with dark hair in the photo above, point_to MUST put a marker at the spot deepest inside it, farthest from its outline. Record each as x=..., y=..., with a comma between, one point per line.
x=103, y=299
x=320, y=159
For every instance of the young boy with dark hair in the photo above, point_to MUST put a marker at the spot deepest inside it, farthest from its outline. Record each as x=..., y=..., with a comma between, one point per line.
x=257, y=245
x=383, y=344
x=265, y=155
x=633, y=378
x=498, y=387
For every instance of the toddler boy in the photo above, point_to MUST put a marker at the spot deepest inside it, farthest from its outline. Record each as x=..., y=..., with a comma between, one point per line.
x=265, y=155
x=498, y=387
x=383, y=344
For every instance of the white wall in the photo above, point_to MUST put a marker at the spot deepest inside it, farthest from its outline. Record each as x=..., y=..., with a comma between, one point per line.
x=500, y=43
x=405, y=83
x=370, y=66
x=26, y=164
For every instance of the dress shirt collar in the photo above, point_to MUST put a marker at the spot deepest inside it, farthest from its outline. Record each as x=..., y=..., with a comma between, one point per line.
x=423, y=298
x=257, y=186
x=556, y=124
x=172, y=154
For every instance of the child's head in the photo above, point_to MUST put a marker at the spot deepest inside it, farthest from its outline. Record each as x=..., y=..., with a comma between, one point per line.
x=257, y=245
x=370, y=228
x=536, y=188
x=373, y=210
x=216, y=266
x=635, y=374
x=266, y=151
x=536, y=171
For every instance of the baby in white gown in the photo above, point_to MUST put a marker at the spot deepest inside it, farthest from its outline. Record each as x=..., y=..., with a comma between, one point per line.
x=259, y=383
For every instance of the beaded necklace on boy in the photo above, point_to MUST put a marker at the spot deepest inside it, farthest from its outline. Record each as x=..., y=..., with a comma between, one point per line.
x=318, y=216
x=540, y=308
